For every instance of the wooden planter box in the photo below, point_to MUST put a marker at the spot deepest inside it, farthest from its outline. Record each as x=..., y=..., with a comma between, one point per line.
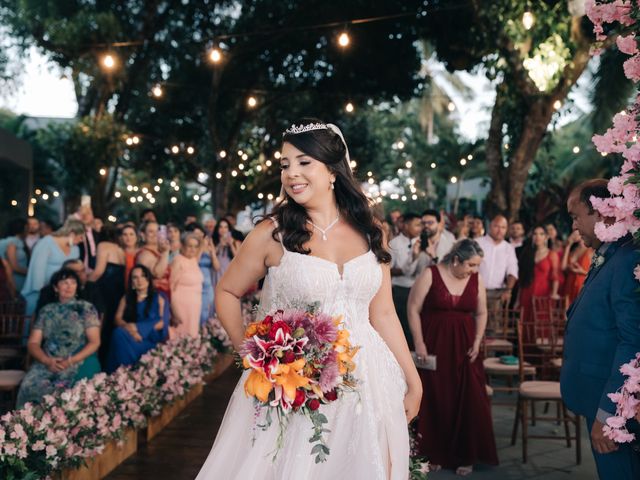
x=100, y=466
x=223, y=361
x=157, y=423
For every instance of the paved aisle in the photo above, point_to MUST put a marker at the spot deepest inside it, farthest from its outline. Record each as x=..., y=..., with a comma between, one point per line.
x=179, y=451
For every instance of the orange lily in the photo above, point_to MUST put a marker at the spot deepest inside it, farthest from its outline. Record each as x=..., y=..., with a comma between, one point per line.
x=251, y=330
x=345, y=352
x=288, y=376
x=257, y=385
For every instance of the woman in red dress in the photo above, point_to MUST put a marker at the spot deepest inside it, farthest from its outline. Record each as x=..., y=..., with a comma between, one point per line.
x=575, y=263
x=539, y=268
x=448, y=314
x=154, y=255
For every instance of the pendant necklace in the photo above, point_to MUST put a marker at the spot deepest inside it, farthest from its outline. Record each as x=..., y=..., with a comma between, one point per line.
x=325, y=230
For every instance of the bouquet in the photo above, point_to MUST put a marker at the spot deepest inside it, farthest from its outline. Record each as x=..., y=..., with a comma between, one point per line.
x=298, y=361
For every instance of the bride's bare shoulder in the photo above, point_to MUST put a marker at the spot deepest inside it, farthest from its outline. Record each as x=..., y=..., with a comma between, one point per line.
x=260, y=241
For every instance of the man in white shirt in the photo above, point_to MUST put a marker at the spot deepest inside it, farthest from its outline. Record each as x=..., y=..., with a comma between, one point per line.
x=499, y=267
x=401, y=260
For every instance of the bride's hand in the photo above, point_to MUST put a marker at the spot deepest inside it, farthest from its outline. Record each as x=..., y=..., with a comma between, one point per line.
x=412, y=402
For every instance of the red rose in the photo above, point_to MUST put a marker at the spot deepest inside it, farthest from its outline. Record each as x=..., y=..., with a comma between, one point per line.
x=313, y=404
x=268, y=320
x=289, y=357
x=300, y=398
x=332, y=395
x=278, y=326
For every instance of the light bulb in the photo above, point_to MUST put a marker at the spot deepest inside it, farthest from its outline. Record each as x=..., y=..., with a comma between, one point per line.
x=215, y=55
x=528, y=20
x=344, y=40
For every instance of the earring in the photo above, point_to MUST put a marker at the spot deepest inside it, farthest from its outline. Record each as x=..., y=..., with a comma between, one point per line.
x=332, y=186
x=70, y=240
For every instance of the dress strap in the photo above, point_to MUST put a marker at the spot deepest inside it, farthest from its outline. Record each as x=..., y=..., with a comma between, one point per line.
x=275, y=223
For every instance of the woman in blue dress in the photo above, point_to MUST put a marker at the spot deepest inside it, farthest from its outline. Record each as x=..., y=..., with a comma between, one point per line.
x=63, y=342
x=209, y=265
x=142, y=321
x=47, y=258
x=14, y=250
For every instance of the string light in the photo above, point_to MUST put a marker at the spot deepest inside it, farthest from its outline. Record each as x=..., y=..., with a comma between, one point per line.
x=557, y=104
x=102, y=172
x=245, y=157
x=433, y=165
x=145, y=190
x=109, y=61
x=129, y=141
x=135, y=188
x=349, y=107
x=409, y=164
x=268, y=163
x=414, y=197
x=132, y=199
x=38, y=191
x=218, y=175
x=243, y=187
x=176, y=188
x=56, y=194
x=604, y=154
x=175, y=149
x=344, y=40
x=112, y=219
x=528, y=20
x=576, y=149
x=463, y=161
x=215, y=55
x=152, y=201
x=117, y=194
x=241, y=166
x=451, y=106
x=506, y=146
x=469, y=157
x=240, y=153
x=260, y=196
x=454, y=179
x=14, y=203
x=157, y=91
x=270, y=196
x=45, y=196
x=174, y=200
x=149, y=196
x=222, y=154
x=277, y=155
x=156, y=188
x=139, y=198
x=196, y=197
x=403, y=198
x=160, y=181
x=234, y=173
x=353, y=164
x=400, y=144
x=190, y=150
x=135, y=139
x=371, y=181
x=252, y=102
x=259, y=168
x=369, y=173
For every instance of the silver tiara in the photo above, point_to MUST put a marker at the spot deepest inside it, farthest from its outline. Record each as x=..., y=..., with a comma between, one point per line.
x=302, y=128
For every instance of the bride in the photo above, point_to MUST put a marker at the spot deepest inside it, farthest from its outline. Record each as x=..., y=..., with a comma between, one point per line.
x=321, y=244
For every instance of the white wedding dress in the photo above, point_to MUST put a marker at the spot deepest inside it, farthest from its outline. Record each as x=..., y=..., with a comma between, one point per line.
x=369, y=437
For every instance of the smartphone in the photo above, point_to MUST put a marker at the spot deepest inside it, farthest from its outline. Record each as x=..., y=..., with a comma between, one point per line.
x=162, y=232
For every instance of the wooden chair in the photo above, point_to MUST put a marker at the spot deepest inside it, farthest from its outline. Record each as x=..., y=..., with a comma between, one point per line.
x=12, y=348
x=531, y=391
x=500, y=334
x=493, y=367
x=12, y=307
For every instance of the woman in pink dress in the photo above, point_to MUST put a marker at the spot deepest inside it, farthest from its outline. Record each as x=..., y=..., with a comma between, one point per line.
x=186, y=288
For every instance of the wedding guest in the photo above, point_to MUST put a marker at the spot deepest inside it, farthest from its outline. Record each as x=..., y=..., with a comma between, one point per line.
x=476, y=229
x=190, y=218
x=173, y=237
x=129, y=242
x=14, y=250
x=576, y=261
x=602, y=333
x=33, y=232
x=394, y=218
x=557, y=244
x=516, y=234
x=434, y=243
x=142, y=321
x=463, y=227
x=48, y=256
x=235, y=233
x=63, y=342
x=226, y=248
x=154, y=255
x=91, y=238
x=47, y=227
x=539, y=268
x=499, y=268
x=186, y=287
x=448, y=315
x=148, y=215
x=402, y=275
x=209, y=265
x=209, y=225
x=109, y=277
x=98, y=225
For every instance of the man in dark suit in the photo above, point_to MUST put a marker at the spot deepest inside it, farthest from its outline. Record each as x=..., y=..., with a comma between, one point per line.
x=602, y=333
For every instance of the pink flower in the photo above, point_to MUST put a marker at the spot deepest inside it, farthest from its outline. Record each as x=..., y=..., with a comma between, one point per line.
x=38, y=446
x=50, y=451
x=627, y=44
x=636, y=272
x=632, y=68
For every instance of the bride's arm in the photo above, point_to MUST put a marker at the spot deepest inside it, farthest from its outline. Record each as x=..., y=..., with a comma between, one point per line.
x=385, y=320
x=246, y=268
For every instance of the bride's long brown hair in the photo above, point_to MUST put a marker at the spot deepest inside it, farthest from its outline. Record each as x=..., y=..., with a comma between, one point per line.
x=326, y=146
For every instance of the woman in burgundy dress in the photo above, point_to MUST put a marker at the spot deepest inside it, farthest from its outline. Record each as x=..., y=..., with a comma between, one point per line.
x=448, y=315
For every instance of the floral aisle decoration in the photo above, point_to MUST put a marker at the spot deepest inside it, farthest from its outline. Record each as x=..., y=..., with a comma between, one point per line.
x=624, y=204
x=298, y=360
x=74, y=425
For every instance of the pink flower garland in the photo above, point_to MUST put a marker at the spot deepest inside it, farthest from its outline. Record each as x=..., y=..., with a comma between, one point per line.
x=621, y=138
